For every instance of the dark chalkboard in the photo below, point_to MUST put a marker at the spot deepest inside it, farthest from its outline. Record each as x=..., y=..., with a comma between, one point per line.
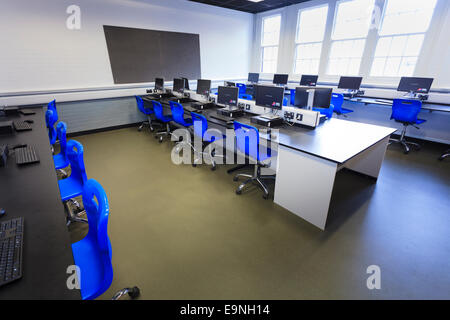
x=139, y=55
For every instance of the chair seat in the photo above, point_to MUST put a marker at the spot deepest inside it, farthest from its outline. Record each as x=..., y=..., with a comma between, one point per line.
x=70, y=188
x=148, y=111
x=418, y=121
x=89, y=258
x=187, y=122
x=325, y=111
x=345, y=111
x=60, y=161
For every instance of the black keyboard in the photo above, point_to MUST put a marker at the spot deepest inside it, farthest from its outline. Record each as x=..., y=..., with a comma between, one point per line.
x=26, y=155
x=22, y=126
x=11, y=242
x=222, y=118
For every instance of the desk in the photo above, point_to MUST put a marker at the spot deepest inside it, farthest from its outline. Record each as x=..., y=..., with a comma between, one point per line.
x=431, y=106
x=32, y=192
x=308, y=160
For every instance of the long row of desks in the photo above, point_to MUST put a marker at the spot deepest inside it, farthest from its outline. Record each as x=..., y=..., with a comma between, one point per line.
x=32, y=192
x=307, y=160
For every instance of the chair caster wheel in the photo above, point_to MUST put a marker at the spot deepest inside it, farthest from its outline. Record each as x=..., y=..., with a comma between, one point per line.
x=266, y=196
x=160, y=140
x=235, y=179
x=213, y=168
x=238, y=192
x=139, y=129
x=134, y=292
x=405, y=152
x=152, y=129
x=194, y=165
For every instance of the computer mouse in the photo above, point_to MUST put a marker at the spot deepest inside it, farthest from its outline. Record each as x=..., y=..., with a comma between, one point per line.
x=2, y=212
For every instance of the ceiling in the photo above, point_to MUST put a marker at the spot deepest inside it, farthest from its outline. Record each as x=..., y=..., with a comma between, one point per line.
x=251, y=7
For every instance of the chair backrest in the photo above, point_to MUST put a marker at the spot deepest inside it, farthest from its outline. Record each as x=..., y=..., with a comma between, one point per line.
x=177, y=112
x=61, y=133
x=158, y=109
x=75, y=157
x=95, y=203
x=337, y=100
x=52, y=106
x=140, y=104
x=50, y=121
x=292, y=96
x=200, y=124
x=242, y=88
x=245, y=96
x=406, y=110
x=247, y=139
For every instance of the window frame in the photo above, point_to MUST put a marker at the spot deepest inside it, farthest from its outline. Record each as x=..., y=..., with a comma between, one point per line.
x=298, y=43
x=262, y=46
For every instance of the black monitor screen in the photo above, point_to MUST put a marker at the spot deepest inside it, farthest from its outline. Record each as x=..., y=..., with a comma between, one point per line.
x=253, y=77
x=159, y=84
x=203, y=86
x=178, y=85
x=228, y=96
x=417, y=85
x=186, y=83
x=280, y=78
x=268, y=96
x=322, y=97
x=352, y=83
x=309, y=80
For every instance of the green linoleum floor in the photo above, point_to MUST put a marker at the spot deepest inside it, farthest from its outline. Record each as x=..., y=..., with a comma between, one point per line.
x=180, y=232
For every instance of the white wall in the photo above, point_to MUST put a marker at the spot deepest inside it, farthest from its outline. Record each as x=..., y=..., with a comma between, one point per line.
x=40, y=54
x=434, y=61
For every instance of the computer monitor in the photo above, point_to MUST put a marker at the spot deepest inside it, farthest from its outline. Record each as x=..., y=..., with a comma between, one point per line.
x=178, y=85
x=203, y=87
x=415, y=85
x=351, y=83
x=280, y=79
x=322, y=97
x=253, y=77
x=159, y=84
x=228, y=96
x=186, y=83
x=309, y=80
x=269, y=96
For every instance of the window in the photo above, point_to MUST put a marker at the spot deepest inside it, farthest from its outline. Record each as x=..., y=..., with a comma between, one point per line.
x=351, y=26
x=269, y=43
x=310, y=32
x=401, y=36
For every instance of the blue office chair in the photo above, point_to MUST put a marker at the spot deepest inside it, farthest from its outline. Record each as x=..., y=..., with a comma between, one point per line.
x=292, y=97
x=246, y=96
x=337, y=100
x=178, y=114
x=147, y=111
x=242, y=88
x=159, y=114
x=73, y=186
x=50, y=123
x=52, y=106
x=200, y=128
x=93, y=253
x=247, y=141
x=406, y=112
x=61, y=160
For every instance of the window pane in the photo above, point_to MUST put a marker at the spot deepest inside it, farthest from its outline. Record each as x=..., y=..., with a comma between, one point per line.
x=271, y=30
x=407, y=16
x=269, y=59
x=353, y=19
x=311, y=24
x=398, y=46
x=346, y=55
x=407, y=66
x=378, y=67
x=392, y=66
x=414, y=45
